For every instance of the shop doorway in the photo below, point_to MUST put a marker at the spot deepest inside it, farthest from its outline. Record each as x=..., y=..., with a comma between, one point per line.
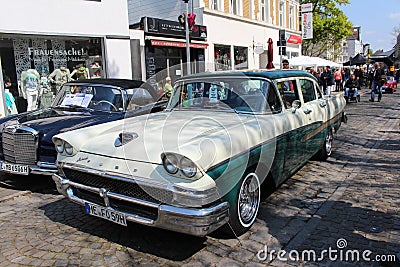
x=9, y=72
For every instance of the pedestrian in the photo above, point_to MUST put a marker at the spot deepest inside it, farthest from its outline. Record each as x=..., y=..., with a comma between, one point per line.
x=285, y=64
x=168, y=87
x=338, y=79
x=377, y=82
x=327, y=80
x=351, y=84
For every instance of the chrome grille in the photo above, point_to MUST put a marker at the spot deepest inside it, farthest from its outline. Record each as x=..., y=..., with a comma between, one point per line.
x=126, y=188
x=19, y=146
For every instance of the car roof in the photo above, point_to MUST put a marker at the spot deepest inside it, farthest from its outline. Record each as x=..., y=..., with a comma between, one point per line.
x=269, y=74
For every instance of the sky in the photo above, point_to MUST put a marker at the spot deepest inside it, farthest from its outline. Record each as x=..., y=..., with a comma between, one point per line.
x=377, y=19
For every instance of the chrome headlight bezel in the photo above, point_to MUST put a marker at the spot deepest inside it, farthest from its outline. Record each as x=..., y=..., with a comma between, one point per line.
x=183, y=167
x=171, y=163
x=59, y=145
x=68, y=149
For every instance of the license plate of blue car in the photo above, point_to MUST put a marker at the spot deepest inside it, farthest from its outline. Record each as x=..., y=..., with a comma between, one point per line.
x=105, y=213
x=15, y=168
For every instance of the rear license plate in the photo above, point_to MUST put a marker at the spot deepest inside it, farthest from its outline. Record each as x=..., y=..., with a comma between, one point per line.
x=15, y=168
x=103, y=212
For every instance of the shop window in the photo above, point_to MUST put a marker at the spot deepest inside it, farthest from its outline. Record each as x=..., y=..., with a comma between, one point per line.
x=241, y=61
x=222, y=57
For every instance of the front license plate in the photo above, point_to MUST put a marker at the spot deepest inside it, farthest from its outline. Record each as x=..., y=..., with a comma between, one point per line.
x=103, y=212
x=15, y=168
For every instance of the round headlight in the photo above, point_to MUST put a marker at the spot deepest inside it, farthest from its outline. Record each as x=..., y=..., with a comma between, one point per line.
x=68, y=148
x=170, y=163
x=59, y=146
x=188, y=168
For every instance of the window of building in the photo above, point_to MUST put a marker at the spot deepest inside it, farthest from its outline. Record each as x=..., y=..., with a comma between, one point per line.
x=282, y=13
x=222, y=57
x=264, y=10
x=217, y=5
x=241, y=61
x=236, y=7
x=292, y=17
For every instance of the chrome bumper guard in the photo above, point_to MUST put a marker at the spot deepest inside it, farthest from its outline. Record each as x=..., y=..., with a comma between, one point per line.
x=193, y=221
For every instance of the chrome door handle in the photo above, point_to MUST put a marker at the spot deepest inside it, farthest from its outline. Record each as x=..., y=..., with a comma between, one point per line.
x=307, y=111
x=322, y=105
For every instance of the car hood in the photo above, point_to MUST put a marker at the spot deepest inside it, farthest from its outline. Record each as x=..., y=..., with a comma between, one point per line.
x=49, y=122
x=204, y=137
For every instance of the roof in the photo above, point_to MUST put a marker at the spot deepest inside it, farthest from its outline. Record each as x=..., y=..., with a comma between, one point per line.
x=380, y=54
x=269, y=74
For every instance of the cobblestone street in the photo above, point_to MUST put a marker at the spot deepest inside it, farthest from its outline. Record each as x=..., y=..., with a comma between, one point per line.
x=350, y=202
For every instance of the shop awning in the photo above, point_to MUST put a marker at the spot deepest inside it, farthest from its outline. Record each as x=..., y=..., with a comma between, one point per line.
x=172, y=42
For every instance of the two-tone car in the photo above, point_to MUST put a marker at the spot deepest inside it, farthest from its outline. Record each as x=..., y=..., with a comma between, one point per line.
x=26, y=139
x=203, y=163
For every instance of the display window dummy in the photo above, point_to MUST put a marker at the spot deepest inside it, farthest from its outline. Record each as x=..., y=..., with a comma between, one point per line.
x=59, y=77
x=30, y=87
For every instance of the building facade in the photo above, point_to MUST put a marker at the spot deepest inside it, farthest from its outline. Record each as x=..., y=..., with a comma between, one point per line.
x=235, y=34
x=47, y=35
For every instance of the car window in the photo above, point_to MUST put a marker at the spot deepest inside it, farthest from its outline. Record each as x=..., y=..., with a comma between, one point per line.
x=239, y=94
x=308, y=90
x=138, y=97
x=288, y=91
x=96, y=97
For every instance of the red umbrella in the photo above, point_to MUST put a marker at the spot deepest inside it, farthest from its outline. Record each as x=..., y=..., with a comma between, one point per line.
x=270, y=65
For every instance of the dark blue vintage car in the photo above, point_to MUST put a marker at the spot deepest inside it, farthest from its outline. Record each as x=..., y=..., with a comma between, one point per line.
x=26, y=139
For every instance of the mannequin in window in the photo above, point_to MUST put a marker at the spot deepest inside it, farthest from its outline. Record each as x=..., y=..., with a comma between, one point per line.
x=81, y=72
x=30, y=87
x=47, y=95
x=59, y=77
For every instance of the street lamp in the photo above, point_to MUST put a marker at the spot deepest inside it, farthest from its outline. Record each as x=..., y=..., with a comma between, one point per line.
x=187, y=37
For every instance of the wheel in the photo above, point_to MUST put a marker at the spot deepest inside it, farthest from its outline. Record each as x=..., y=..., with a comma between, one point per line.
x=326, y=149
x=245, y=208
x=108, y=102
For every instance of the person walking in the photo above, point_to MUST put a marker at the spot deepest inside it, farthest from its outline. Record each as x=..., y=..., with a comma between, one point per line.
x=338, y=80
x=168, y=87
x=377, y=82
x=327, y=80
x=285, y=64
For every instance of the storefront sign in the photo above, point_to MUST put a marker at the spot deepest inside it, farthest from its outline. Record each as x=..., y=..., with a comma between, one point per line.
x=174, y=28
x=177, y=44
x=69, y=54
x=307, y=25
x=294, y=39
x=307, y=7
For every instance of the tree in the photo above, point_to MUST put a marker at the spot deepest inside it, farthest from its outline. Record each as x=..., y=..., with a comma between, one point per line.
x=330, y=27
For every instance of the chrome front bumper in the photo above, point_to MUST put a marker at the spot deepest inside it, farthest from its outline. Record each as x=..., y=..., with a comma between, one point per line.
x=42, y=168
x=193, y=221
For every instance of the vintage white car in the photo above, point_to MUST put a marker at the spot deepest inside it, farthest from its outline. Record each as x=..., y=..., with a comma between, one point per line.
x=205, y=161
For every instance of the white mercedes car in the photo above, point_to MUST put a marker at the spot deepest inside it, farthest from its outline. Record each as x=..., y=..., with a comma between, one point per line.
x=204, y=162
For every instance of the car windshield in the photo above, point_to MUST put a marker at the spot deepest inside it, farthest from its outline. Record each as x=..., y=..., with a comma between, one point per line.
x=242, y=94
x=96, y=97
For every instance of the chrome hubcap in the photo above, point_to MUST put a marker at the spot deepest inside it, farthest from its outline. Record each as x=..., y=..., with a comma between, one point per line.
x=249, y=199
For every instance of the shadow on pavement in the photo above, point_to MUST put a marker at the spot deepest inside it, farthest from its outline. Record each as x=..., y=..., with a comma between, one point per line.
x=161, y=243
x=33, y=183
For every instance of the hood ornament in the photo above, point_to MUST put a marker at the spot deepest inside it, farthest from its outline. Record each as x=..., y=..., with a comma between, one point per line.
x=124, y=138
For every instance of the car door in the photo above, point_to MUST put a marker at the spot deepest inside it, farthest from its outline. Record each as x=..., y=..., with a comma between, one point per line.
x=314, y=107
x=294, y=122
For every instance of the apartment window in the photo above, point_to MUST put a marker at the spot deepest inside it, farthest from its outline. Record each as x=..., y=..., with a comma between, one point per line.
x=217, y=5
x=282, y=13
x=236, y=7
x=292, y=18
x=241, y=59
x=264, y=10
